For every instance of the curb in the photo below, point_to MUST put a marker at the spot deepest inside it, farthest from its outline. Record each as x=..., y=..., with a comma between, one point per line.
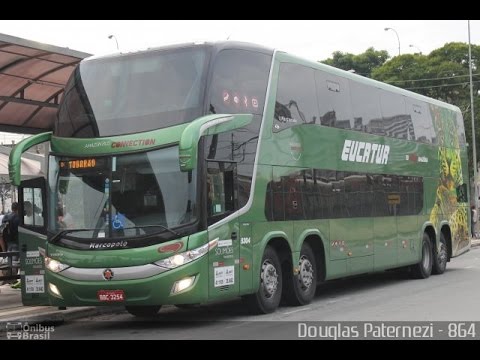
x=475, y=244
x=55, y=316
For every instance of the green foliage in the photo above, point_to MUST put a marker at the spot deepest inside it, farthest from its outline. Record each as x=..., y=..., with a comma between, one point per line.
x=363, y=63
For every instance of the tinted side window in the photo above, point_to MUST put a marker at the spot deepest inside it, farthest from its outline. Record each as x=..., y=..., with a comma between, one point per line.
x=329, y=194
x=33, y=214
x=396, y=122
x=366, y=108
x=333, y=100
x=239, y=82
x=358, y=191
x=422, y=121
x=296, y=102
x=239, y=146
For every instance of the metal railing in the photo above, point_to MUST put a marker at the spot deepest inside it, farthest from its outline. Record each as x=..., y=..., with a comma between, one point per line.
x=9, y=269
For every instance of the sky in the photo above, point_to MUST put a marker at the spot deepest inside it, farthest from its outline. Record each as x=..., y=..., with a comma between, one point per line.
x=312, y=39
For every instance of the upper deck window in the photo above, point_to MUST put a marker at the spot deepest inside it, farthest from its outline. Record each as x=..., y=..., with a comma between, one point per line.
x=239, y=82
x=133, y=93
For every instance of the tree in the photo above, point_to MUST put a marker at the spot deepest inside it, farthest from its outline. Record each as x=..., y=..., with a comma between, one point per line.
x=443, y=74
x=363, y=63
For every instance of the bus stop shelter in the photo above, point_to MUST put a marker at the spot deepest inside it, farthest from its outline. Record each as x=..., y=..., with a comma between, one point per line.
x=33, y=76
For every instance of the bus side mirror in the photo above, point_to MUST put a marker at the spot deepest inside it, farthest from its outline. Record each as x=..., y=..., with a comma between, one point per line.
x=15, y=158
x=206, y=125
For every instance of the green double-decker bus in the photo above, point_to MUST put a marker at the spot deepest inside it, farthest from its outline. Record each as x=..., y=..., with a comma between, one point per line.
x=199, y=172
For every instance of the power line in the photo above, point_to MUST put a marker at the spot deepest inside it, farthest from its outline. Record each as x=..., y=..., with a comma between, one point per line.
x=438, y=86
x=439, y=78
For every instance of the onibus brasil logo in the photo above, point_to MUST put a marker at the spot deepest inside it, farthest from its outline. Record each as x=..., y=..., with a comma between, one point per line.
x=24, y=331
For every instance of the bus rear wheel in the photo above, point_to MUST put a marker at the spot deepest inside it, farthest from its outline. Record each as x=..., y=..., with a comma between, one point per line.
x=267, y=298
x=423, y=269
x=143, y=311
x=440, y=257
x=300, y=288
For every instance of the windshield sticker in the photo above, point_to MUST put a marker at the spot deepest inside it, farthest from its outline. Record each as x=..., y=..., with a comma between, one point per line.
x=226, y=97
x=245, y=101
x=34, y=284
x=118, y=221
x=224, y=275
x=236, y=100
x=222, y=243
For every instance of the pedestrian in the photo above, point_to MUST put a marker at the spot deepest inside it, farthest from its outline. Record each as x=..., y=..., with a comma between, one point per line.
x=474, y=219
x=10, y=235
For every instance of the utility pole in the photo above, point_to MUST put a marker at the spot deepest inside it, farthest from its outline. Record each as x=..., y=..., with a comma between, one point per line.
x=473, y=119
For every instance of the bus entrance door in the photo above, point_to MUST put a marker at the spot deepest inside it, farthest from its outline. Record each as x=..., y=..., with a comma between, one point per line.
x=32, y=240
x=222, y=201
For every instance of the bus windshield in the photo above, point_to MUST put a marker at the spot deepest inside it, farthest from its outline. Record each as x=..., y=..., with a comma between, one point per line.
x=133, y=93
x=121, y=196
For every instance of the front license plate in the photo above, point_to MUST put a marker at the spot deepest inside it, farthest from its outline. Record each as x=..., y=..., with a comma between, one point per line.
x=110, y=295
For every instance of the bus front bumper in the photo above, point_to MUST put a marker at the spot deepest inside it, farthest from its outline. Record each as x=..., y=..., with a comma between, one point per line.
x=160, y=289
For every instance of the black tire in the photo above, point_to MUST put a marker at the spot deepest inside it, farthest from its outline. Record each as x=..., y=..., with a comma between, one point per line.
x=143, y=311
x=300, y=288
x=269, y=293
x=440, y=257
x=423, y=269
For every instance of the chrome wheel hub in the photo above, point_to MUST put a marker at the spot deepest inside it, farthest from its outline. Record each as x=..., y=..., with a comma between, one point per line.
x=305, y=276
x=442, y=254
x=269, y=278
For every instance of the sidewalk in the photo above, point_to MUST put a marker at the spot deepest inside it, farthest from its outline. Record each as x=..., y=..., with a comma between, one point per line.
x=11, y=309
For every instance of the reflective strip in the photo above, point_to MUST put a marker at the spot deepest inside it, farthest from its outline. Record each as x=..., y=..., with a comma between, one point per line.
x=213, y=123
x=121, y=273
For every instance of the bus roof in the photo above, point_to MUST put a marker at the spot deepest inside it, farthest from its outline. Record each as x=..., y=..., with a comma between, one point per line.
x=218, y=46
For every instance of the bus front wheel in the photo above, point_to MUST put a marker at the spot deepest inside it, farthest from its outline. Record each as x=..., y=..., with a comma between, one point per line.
x=267, y=298
x=143, y=311
x=423, y=269
x=300, y=288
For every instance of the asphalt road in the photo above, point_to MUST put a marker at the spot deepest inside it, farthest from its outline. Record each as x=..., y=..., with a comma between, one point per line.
x=389, y=296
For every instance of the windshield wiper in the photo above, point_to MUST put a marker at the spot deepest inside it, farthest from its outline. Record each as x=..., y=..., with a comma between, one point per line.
x=150, y=226
x=58, y=235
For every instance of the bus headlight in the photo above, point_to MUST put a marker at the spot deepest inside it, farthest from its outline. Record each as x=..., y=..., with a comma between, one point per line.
x=183, y=284
x=54, y=290
x=54, y=265
x=187, y=256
